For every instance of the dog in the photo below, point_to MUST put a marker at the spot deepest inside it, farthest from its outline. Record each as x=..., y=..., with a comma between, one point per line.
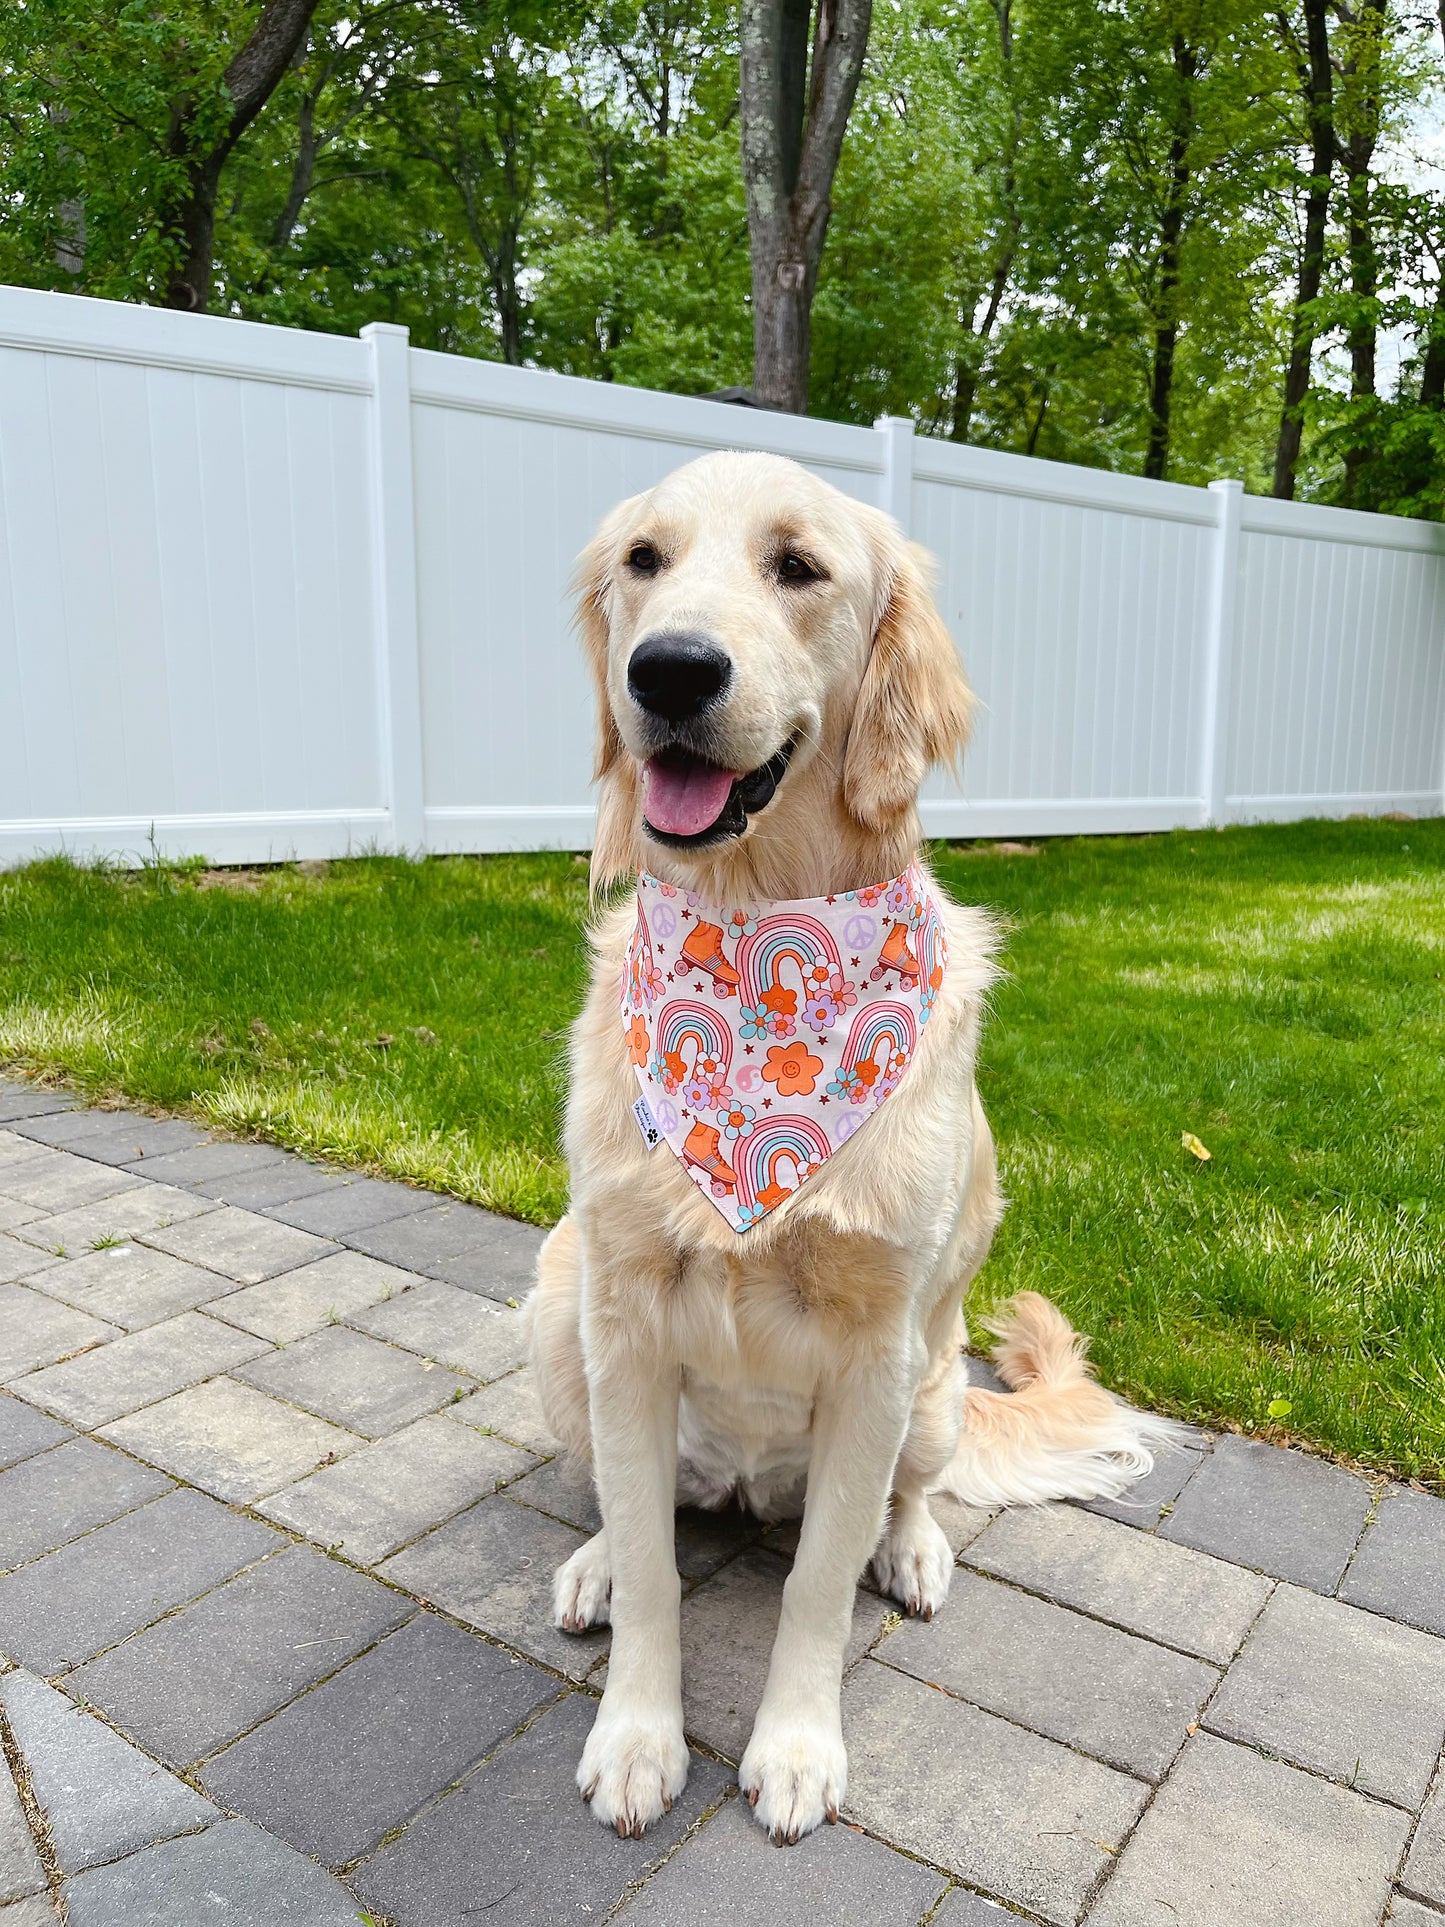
x=773, y=683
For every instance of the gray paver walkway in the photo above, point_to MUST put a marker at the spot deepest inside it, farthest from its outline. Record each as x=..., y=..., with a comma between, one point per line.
x=278, y=1519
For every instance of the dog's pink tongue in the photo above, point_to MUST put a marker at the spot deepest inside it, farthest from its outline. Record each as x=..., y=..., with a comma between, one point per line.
x=683, y=799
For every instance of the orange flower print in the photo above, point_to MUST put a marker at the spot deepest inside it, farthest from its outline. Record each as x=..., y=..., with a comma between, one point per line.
x=793, y=1068
x=637, y=1044
x=782, y=1002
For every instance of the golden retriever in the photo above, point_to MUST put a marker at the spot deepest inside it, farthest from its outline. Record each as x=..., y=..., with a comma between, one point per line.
x=773, y=683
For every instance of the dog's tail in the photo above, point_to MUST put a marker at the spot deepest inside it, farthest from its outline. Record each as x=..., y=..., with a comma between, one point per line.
x=1056, y=1434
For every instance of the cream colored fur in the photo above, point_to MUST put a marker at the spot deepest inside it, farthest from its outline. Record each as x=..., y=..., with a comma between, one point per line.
x=815, y=1362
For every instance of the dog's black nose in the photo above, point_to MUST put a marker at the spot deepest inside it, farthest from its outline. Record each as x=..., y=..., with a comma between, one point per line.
x=677, y=676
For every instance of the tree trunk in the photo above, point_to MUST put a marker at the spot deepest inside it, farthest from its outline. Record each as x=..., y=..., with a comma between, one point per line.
x=1171, y=235
x=970, y=359
x=1318, y=87
x=249, y=82
x=792, y=134
x=1432, y=371
x=1358, y=155
x=303, y=173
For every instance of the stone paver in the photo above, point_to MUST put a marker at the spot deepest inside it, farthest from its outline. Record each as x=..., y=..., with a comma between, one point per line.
x=1143, y=1503
x=728, y=1627
x=393, y=1490
x=198, y=1679
x=1329, y=1687
x=149, y=1207
x=516, y=1844
x=730, y=1872
x=63, y=1609
x=67, y=1491
x=1165, y=1592
x=965, y=1909
x=510, y=1408
x=138, y=1369
x=1410, y=1913
x=281, y=1178
x=1004, y=1809
x=502, y=1266
x=352, y=1205
x=1280, y=1512
x=20, y=1260
x=231, y=1440
x=207, y=1161
x=453, y=1326
x=426, y=1238
x=1123, y=1699
x=292, y=1339
x=20, y=1870
x=36, y=1330
x=231, y=1872
x=102, y=1798
x=1425, y=1869
x=1233, y=1840
x=492, y=1567
x=132, y=1286
x=305, y=1301
x=1398, y=1568
x=394, y=1728
x=239, y=1244
x=355, y=1381
x=112, y=1137
x=57, y=1181
x=19, y=1100
x=34, y=1912
x=25, y=1431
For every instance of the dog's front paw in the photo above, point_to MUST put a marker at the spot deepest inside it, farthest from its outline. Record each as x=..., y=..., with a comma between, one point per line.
x=794, y=1774
x=582, y=1588
x=634, y=1766
x=914, y=1563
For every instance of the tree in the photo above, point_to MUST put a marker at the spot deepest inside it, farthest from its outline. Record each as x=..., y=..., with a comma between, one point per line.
x=794, y=115
x=1311, y=51
x=205, y=125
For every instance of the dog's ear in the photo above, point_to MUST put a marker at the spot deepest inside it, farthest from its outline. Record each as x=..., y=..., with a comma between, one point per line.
x=614, y=847
x=914, y=707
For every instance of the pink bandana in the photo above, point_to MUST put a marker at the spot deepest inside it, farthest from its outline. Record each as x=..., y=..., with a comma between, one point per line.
x=762, y=1039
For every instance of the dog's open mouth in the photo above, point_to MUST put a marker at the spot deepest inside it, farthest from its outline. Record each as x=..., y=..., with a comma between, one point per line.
x=691, y=802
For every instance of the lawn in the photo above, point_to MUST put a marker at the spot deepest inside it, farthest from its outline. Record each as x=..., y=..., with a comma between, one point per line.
x=1276, y=992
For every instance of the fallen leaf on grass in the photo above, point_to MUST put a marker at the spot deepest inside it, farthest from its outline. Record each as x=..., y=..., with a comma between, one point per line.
x=1192, y=1143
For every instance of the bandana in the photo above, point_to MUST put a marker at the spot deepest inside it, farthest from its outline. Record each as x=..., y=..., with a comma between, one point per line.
x=764, y=1038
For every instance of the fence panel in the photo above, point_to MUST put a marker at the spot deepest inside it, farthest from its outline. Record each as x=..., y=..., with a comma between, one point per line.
x=266, y=593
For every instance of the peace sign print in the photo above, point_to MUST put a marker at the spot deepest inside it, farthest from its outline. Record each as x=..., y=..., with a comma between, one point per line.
x=859, y=931
x=664, y=920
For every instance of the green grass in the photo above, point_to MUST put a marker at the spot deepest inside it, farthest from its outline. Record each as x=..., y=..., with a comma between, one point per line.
x=1276, y=992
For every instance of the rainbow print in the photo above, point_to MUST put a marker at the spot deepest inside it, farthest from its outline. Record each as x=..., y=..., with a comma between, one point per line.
x=883, y=1032
x=932, y=959
x=642, y=980
x=768, y=1005
x=773, y=1161
x=680, y=1023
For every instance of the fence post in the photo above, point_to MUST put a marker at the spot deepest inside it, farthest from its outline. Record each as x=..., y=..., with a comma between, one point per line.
x=393, y=527
x=1219, y=649
x=896, y=497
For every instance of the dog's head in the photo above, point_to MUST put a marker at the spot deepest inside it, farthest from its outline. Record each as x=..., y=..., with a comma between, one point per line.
x=773, y=680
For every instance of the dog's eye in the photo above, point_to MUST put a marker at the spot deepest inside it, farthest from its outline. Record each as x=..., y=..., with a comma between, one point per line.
x=795, y=568
x=642, y=557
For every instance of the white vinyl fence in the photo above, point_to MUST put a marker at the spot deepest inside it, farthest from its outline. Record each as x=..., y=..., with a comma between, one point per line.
x=265, y=593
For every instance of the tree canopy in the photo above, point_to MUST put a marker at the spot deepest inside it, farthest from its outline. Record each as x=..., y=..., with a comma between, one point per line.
x=1184, y=238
